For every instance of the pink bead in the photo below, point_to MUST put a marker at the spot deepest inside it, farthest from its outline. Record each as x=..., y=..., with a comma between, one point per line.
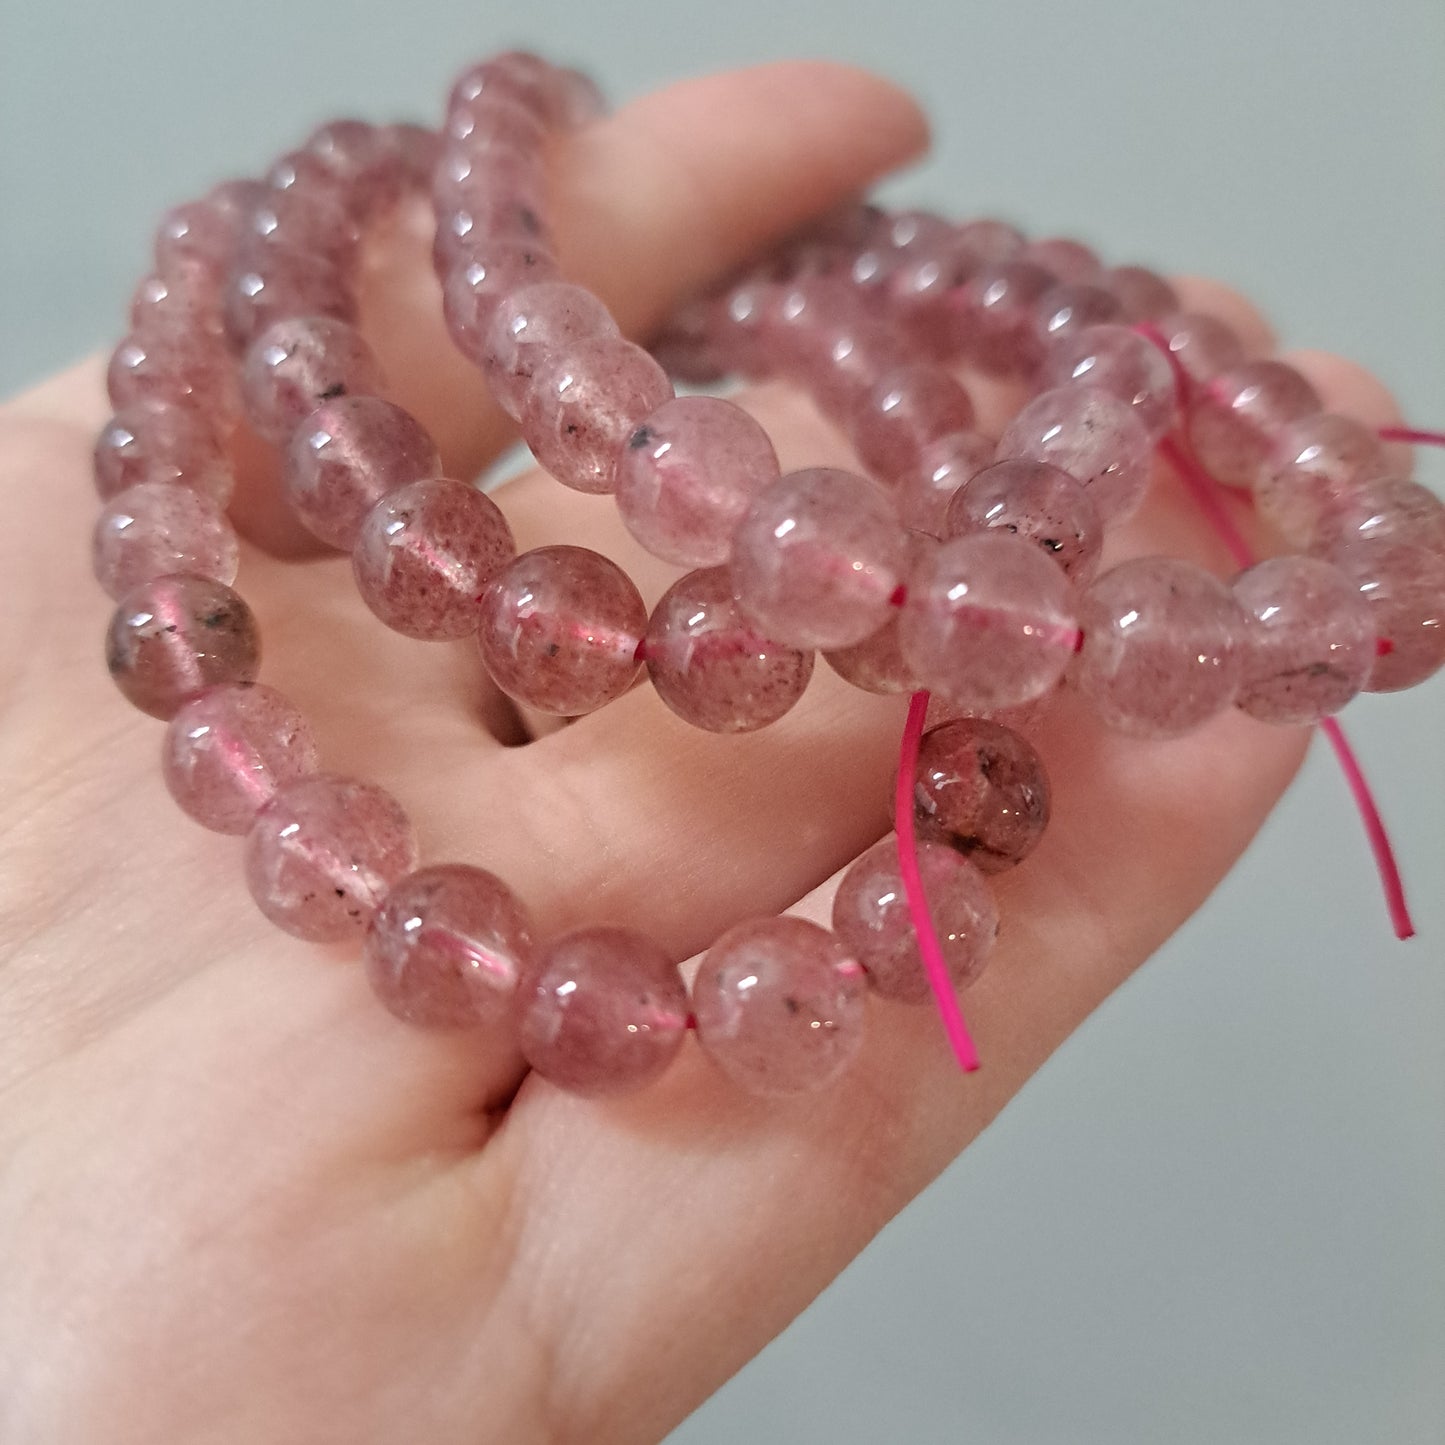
x=1387, y=509
x=1314, y=463
x=475, y=175
x=1405, y=587
x=176, y=636
x=366, y=160
x=988, y=622
x=528, y=324
x=185, y=301
x=515, y=76
x=228, y=750
x=993, y=241
x=1202, y=347
x=309, y=220
x=923, y=495
x=296, y=365
x=872, y=921
x=1236, y=420
x=272, y=283
x=779, y=1006
x=895, y=241
x=1310, y=643
x=601, y=1011
x=1126, y=365
x=446, y=948
x=1072, y=262
x=492, y=123
x=1143, y=294
x=1162, y=647
x=352, y=451
x=981, y=788
x=905, y=412
x=419, y=148
x=161, y=442
x=923, y=293
x=1094, y=437
x=188, y=369
x=818, y=557
x=996, y=322
x=472, y=292
x=198, y=233
x=425, y=554
x=1035, y=501
x=877, y=664
x=688, y=475
x=711, y=666
x=560, y=628
x=472, y=232
x=586, y=399
x=322, y=854
x=1067, y=309
x=154, y=529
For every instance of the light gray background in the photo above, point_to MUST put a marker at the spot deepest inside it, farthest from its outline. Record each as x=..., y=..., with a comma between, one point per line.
x=1219, y=1213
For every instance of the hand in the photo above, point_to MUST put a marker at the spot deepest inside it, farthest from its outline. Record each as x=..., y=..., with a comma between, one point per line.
x=238, y=1201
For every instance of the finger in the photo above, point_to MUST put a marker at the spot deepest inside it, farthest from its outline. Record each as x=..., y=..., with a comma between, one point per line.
x=1214, y=298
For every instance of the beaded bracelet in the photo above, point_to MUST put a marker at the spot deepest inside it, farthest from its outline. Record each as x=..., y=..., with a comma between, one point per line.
x=965, y=570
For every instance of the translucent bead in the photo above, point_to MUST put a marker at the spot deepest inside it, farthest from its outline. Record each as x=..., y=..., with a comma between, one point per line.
x=323, y=853
x=1126, y=365
x=161, y=442
x=905, y=412
x=527, y=325
x=991, y=240
x=1387, y=509
x=1035, y=501
x=923, y=292
x=988, y=622
x=307, y=220
x=352, y=451
x=779, y=1006
x=236, y=198
x=1065, y=310
x=271, y=283
x=425, y=554
x=472, y=176
x=1313, y=464
x=877, y=664
x=872, y=921
x=1236, y=420
x=922, y=495
x=176, y=636
x=198, y=233
x=472, y=292
x=366, y=160
x=981, y=788
x=1310, y=643
x=1143, y=294
x=153, y=529
x=1162, y=647
x=998, y=333
x=586, y=399
x=1405, y=587
x=601, y=1011
x=473, y=231
x=496, y=123
x=818, y=557
x=560, y=628
x=446, y=948
x=1094, y=437
x=711, y=666
x=419, y=148
x=229, y=749
x=688, y=475
x=1070, y=261
x=296, y=365
x=515, y=76
x=894, y=241
x=185, y=301
x=189, y=369
x=1202, y=347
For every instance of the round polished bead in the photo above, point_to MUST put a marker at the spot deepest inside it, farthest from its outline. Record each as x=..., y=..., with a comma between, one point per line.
x=351, y=452
x=528, y=324
x=1065, y=310
x=425, y=554
x=779, y=1006
x=176, y=636
x=446, y=948
x=196, y=233
x=272, y=283
x=322, y=854
x=1310, y=643
x=1094, y=437
x=988, y=622
x=601, y=1011
x=296, y=365
x=367, y=161
x=1162, y=647
x=1126, y=365
x=992, y=240
x=922, y=495
x=1202, y=347
x=165, y=442
x=1035, y=501
x=187, y=368
x=981, y=788
x=830, y=346
x=818, y=557
x=1143, y=294
x=1405, y=587
x=560, y=628
x=493, y=123
x=1314, y=463
x=877, y=664
x=711, y=666
x=186, y=300
x=1236, y=420
x=514, y=75
x=301, y=220
x=1387, y=509
x=585, y=400
x=871, y=919
x=902, y=415
x=469, y=233
x=997, y=328
x=419, y=148
x=1070, y=261
x=924, y=291
x=229, y=749
x=155, y=528
x=471, y=292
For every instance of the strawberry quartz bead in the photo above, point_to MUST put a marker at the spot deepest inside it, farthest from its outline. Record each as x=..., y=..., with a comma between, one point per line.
x=1310, y=643
x=228, y=750
x=818, y=557
x=922, y=495
x=154, y=529
x=981, y=788
x=1235, y=421
x=1387, y=509
x=585, y=400
x=1200, y=346
x=297, y=364
x=446, y=948
x=988, y=622
x=872, y=921
x=173, y=637
x=300, y=220
x=190, y=369
x=1071, y=262
x=1143, y=295
x=1313, y=464
x=779, y=1006
x=322, y=854
x=906, y=411
x=560, y=628
x=1093, y=436
x=687, y=476
x=1163, y=647
x=996, y=327
x=165, y=442
x=186, y=300
x=1064, y=311
x=1126, y=365
x=992, y=241
x=471, y=292
x=272, y=282
x=711, y=666
x=1405, y=588
x=877, y=664
x=351, y=452
x=601, y=1011
x=527, y=326
x=1034, y=501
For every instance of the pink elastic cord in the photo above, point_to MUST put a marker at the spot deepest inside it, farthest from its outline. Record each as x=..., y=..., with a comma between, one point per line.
x=1410, y=434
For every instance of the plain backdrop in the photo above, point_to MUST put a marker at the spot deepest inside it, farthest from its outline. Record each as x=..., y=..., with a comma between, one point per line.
x=1218, y=1215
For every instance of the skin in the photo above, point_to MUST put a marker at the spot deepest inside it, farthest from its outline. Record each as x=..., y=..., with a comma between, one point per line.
x=240, y=1203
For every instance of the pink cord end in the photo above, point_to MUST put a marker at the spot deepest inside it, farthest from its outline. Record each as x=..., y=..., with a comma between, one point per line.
x=1411, y=434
